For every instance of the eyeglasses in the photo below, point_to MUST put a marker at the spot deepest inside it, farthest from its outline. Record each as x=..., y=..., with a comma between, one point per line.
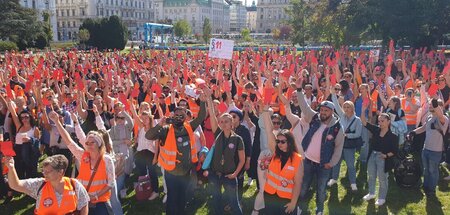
x=276, y=123
x=281, y=141
x=25, y=116
x=178, y=116
x=337, y=89
x=120, y=117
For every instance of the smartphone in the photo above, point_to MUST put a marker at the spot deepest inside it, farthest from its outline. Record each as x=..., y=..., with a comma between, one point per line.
x=90, y=104
x=434, y=102
x=170, y=120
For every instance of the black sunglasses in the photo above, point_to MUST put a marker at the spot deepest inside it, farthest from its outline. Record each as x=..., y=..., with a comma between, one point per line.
x=281, y=141
x=276, y=123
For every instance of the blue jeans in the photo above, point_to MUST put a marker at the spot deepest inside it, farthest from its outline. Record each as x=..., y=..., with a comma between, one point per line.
x=348, y=155
x=115, y=203
x=430, y=162
x=312, y=169
x=176, y=193
x=364, y=151
x=375, y=168
x=100, y=208
x=120, y=182
x=216, y=181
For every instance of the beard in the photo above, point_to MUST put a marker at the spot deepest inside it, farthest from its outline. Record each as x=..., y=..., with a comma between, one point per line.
x=324, y=118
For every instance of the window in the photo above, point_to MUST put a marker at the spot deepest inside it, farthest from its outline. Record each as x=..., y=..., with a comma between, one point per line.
x=73, y=12
x=62, y=12
x=74, y=24
x=68, y=12
x=82, y=11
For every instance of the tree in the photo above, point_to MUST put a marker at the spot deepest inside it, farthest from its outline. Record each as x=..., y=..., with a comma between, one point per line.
x=298, y=14
x=285, y=31
x=276, y=33
x=83, y=36
x=47, y=26
x=106, y=33
x=206, y=30
x=20, y=25
x=245, y=34
x=182, y=28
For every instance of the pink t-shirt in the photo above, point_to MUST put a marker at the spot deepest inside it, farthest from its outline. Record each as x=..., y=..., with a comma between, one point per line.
x=313, y=151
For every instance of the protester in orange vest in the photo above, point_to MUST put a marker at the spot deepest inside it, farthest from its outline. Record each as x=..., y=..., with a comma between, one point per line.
x=411, y=106
x=285, y=172
x=177, y=154
x=96, y=172
x=54, y=194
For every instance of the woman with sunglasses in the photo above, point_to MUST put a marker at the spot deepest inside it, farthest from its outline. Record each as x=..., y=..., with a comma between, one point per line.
x=54, y=194
x=285, y=171
x=353, y=127
x=95, y=165
x=384, y=147
x=26, y=141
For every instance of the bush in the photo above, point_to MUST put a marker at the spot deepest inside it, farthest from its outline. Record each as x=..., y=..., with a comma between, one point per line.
x=42, y=41
x=7, y=46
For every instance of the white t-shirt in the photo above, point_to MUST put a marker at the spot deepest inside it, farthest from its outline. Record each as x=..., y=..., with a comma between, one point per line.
x=313, y=151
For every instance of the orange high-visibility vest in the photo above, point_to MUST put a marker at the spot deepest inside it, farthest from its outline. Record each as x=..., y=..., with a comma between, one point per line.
x=100, y=179
x=281, y=181
x=374, y=97
x=48, y=203
x=193, y=107
x=410, y=118
x=168, y=153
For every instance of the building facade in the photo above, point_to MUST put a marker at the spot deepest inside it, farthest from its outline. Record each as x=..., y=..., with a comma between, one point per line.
x=71, y=13
x=271, y=14
x=196, y=11
x=251, y=17
x=44, y=6
x=238, y=16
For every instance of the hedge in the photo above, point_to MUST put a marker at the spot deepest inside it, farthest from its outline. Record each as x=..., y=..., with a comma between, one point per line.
x=7, y=45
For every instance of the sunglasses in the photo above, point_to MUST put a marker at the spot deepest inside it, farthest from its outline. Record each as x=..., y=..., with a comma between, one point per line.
x=281, y=141
x=25, y=117
x=276, y=123
x=337, y=89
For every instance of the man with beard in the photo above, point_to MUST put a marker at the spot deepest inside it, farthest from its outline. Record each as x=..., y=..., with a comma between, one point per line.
x=322, y=144
x=177, y=154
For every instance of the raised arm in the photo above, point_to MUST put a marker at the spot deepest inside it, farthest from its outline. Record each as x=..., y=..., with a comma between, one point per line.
x=64, y=134
x=306, y=109
x=268, y=129
x=335, y=100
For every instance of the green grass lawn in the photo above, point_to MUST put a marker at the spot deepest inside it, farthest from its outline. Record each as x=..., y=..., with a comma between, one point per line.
x=340, y=200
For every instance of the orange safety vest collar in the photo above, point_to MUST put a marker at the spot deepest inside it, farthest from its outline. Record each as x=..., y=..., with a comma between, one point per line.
x=281, y=181
x=410, y=118
x=48, y=203
x=168, y=153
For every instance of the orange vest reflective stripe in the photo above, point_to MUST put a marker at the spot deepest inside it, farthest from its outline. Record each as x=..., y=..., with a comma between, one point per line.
x=193, y=107
x=410, y=118
x=168, y=153
x=48, y=204
x=281, y=181
x=100, y=179
x=374, y=100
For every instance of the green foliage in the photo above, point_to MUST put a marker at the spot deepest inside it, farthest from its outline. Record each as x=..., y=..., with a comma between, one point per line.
x=336, y=22
x=47, y=27
x=206, y=30
x=7, y=46
x=41, y=40
x=83, y=35
x=245, y=35
x=182, y=28
x=106, y=33
x=20, y=25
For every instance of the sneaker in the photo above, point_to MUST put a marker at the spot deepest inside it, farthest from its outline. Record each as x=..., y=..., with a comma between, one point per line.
x=165, y=199
x=447, y=178
x=331, y=182
x=368, y=197
x=123, y=193
x=250, y=182
x=354, y=187
x=153, y=196
x=380, y=202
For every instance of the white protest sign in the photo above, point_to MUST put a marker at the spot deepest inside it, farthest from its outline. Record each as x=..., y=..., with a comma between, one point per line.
x=374, y=54
x=219, y=48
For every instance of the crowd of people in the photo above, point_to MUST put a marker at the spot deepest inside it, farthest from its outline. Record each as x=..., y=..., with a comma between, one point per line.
x=283, y=118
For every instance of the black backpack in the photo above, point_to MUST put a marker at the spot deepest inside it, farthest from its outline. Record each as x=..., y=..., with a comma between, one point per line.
x=407, y=171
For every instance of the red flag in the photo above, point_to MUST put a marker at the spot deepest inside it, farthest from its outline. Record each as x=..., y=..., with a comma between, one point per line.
x=7, y=149
x=414, y=68
x=268, y=91
x=239, y=90
x=37, y=74
x=123, y=99
x=433, y=89
x=46, y=102
x=424, y=72
x=333, y=79
x=157, y=89
x=226, y=86
x=9, y=91
x=135, y=92
x=222, y=107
